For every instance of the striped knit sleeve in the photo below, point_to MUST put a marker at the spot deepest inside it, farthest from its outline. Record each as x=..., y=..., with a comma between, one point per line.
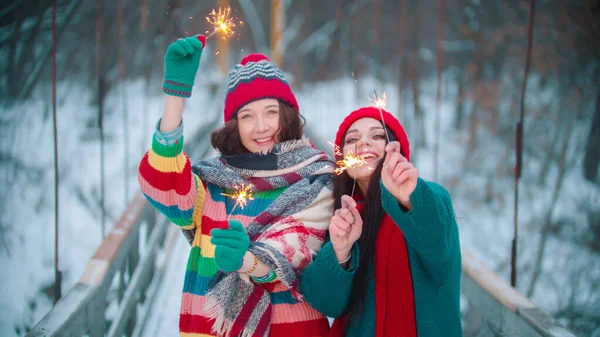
x=166, y=179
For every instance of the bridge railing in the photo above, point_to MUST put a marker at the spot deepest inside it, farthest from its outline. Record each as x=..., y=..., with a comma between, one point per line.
x=497, y=309
x=114, y=291
x=114, y=283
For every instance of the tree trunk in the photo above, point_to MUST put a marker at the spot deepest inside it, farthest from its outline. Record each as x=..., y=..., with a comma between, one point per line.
x=460, y=102
x=12, y=75
x=415, y=73
x=400, y=27
x=550, y=148
x=376, y=43
x=591, y=159
x=497, y=62
x=476, y=110
x=547, y=225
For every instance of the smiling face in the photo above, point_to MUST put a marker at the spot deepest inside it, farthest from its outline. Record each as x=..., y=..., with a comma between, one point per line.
x=365, y=137
x=258, y=125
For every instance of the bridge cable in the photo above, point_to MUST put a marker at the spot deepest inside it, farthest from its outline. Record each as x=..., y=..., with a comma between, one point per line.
x=400, y=26
x=100, y=78
x=57, y=274
x=519, y=147
x=438, y=95
x=123, y=73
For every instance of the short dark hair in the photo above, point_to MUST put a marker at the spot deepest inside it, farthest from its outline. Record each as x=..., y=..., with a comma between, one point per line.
x=226, y=139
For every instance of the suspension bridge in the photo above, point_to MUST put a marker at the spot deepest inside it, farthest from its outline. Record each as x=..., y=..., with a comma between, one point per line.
x=134, y=279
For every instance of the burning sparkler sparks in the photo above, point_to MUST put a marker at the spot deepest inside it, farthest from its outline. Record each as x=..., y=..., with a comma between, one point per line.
x=349, y=160
x=222, y=21
x=380, y=103
x=241, y=195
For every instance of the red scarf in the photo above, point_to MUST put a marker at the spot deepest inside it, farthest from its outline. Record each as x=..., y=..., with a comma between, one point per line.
x=394, y=297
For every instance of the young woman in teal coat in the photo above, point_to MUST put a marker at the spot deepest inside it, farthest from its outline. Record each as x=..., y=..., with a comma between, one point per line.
x=392, y=265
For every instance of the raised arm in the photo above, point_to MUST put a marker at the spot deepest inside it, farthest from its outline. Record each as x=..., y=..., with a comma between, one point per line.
x=429, y=227
x=181, y=65
x=422, y=210
x=172, y=114
x=165, y=174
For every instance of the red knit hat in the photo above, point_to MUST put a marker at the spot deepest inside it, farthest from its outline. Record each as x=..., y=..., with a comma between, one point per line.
x=253, y=79
x=390, y=121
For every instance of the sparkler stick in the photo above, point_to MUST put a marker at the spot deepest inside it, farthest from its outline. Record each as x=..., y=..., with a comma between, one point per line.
x=380, y=103
x=211, y=34
x=349, y=160
x=241, y=195
x=354, y=183
x=222, y=21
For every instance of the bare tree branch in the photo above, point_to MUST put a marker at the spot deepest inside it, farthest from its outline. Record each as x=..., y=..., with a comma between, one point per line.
x=320, y=39
x=8, y=9
x=256, y=27
x=32, y=79
x=292, y=30
x=562, y=169
x=27, y=51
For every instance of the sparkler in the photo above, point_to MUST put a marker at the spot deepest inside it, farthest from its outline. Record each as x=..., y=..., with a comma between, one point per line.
x=349, y=160
x=362, y=160
x=380, y=104
x=241, y=195
x=222, y=21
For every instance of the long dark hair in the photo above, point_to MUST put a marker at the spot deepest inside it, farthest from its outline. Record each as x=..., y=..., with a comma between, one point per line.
x=227, y=138
x=372, y=215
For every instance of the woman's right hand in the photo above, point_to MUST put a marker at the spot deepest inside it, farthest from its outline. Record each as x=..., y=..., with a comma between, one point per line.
x=181, y=64
x=345, y=228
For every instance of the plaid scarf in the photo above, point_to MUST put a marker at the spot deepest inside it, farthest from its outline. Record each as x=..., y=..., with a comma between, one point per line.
x=239, y=307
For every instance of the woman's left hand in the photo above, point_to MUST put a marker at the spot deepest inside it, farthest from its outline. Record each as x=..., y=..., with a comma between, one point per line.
x=231, y=246
x=398, y=175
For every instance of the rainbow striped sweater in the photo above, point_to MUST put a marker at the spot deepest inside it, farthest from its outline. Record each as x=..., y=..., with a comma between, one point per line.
x=166, y=179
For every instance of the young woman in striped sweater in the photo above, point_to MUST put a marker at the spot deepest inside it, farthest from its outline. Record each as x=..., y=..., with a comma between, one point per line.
x=393, y=262
x=242, y=273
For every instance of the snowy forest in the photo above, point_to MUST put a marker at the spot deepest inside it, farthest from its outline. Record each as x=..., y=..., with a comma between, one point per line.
x=453, y=72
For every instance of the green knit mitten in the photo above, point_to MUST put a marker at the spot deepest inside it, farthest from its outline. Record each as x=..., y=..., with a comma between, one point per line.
x=181, y=64
x=231, y=245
